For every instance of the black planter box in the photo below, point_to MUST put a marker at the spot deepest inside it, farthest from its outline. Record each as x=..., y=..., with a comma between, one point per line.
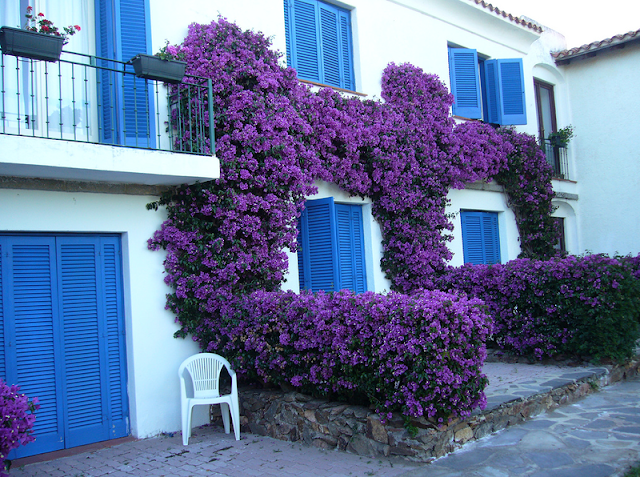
x=29, y=44
x=154, y=68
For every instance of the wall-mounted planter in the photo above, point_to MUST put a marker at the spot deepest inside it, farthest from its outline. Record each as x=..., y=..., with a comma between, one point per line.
x=29, y=44
x=154, y=68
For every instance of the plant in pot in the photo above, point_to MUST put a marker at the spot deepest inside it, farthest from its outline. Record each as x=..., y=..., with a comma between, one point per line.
x=40, y=39
x=561, y=137
x=163, y=66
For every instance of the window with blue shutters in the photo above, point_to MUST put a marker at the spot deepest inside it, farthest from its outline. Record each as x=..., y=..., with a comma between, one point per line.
x=319, y=42
x=480, y=237
x=126, y=104
x=492, y=90
x=331, y=247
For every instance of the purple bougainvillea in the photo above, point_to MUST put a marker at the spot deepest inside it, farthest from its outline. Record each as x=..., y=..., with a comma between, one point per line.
x=575, y=306
x=17, y=420
x=420, y=355
x=226, y=239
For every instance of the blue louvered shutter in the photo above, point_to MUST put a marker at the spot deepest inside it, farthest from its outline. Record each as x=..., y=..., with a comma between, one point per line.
x=330, y=48
x=80, y=303
x=32, y=333
x=465, y=82
x=303, y=248
x=126, y=105
x=346, y=50
x=304, y=33
x=91, y=311
x=3, y=369
x=117, y=403
x=321, y=253
x=491, y=239
x=351, y=247
x=480, y=237
x=505, y=91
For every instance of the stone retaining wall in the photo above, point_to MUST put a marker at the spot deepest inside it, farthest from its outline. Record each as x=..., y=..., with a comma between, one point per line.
x=293, y=416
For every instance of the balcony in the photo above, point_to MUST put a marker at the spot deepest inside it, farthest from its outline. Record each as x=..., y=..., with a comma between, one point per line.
x=557, y=158
x=94, y=102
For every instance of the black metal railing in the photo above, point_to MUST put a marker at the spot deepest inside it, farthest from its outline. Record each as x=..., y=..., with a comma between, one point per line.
x=557, y=158
x=99, y=100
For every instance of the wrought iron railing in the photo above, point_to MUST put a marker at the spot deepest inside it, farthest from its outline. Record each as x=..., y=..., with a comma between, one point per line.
x=99, y=100
x=557, y=158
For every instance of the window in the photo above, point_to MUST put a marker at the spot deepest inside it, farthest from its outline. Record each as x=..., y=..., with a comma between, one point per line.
x=331, y=247
x=546, y=109
x=319, y=42
x=492, y=90
x=560, y=244
x=480, y=237
x=122, y=31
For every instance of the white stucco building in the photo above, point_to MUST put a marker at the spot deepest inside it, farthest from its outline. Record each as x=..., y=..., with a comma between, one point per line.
x=77, y=167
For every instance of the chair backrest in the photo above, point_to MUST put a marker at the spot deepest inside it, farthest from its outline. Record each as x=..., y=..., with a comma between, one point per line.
x=204, y=370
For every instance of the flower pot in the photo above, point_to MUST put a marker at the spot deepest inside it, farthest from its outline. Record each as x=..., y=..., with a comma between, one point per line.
x=29, y=44
x=154, y=68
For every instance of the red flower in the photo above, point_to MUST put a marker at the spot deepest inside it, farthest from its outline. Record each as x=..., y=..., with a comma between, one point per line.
x=29, y=8
x=76, y=27
x=40, y=14
x=45, y=28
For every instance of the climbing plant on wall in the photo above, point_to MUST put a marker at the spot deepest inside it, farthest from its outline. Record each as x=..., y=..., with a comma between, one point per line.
x=275, y=136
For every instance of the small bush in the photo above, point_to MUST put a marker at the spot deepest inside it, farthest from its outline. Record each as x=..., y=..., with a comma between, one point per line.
x=17, y=420
x=420, y=355
x=581, y=306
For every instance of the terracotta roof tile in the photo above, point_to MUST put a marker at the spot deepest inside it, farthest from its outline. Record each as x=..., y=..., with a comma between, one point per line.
x=501, y=13
x=560, y=56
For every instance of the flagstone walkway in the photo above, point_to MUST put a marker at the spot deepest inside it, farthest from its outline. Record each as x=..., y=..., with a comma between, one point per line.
x=596, y=436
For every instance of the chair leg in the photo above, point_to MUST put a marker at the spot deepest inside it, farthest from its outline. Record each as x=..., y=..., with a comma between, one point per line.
x=235, y=416
x=186, y=424
x=224, y=410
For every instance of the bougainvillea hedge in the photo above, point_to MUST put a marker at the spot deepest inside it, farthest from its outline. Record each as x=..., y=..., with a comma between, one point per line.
x=575, y=306
x=420, y=355
x=17, y=420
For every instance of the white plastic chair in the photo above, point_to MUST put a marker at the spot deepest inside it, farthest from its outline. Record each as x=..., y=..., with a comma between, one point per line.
x=204, y=370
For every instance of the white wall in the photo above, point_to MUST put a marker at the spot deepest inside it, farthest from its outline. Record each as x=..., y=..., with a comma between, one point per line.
x=604, y=98
x=153, y=355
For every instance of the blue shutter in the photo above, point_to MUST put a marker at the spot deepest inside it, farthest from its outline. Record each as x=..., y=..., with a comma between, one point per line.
x=287, y=32
x=491, y=237
x=505, y=91
x=330, y=51
x=3, y=369
x=303, y=248
x=80, y=302
x=305, y=51
x=346, y=47
x=126, y=102
x=465, y=82
x=32, y=334
x=118, y=409
x=322, y=249
x=480, y=237
x=351, y=247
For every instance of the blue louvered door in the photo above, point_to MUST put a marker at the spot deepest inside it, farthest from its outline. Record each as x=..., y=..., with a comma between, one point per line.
x=126, y=102
x=62, y=304
x=32, y=335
